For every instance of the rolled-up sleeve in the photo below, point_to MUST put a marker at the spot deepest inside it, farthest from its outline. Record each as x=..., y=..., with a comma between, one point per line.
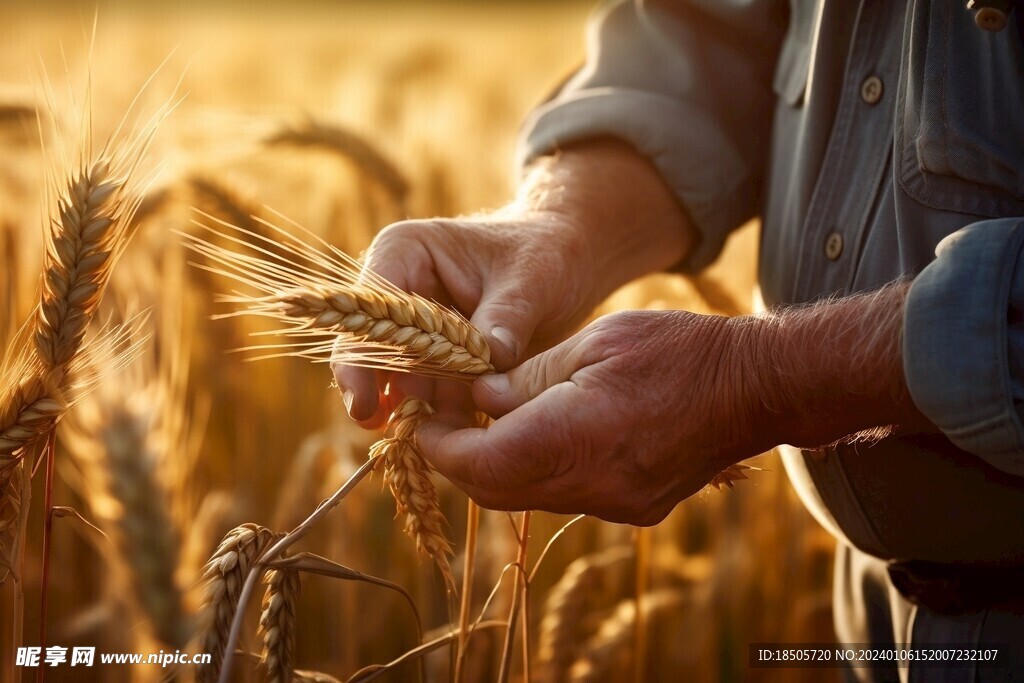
x=691, y=89
x=964, y=341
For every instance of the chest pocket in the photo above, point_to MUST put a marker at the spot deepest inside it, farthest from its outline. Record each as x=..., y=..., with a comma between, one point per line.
x=960, y=143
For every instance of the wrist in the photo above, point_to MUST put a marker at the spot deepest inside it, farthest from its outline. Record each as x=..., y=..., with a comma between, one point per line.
x=627, y=220
x=830, y=370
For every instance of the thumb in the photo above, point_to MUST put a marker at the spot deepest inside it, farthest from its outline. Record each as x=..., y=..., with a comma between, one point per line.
x=507, y=319
x=499, y=394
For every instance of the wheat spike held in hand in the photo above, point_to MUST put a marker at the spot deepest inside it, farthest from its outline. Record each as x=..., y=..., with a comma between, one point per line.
x=407, y=474
x=331, y=309
x=278, y=622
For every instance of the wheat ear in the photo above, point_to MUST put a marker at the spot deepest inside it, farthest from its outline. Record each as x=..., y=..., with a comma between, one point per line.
x=407, y=474
x=92, y=227
x=89, y=227
x=606, y=652
x=34, y=400
x=346, y=143
x=568, y=605
x=277, y=622
x=331, y=309
x=121, y=440
x=223, y=199
x=223, y=578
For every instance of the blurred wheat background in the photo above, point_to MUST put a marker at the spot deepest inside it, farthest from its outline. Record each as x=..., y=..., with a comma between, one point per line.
x=415, y=107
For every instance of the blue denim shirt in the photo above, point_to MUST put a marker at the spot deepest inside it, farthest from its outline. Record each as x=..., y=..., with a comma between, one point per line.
x=878, y=140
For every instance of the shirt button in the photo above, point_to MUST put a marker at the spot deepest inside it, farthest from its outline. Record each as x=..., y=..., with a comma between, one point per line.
x=871, y=89
x=990, y=18
x=833, y=246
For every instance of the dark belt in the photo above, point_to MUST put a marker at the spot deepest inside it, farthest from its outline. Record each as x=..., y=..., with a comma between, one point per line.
x=959, y=589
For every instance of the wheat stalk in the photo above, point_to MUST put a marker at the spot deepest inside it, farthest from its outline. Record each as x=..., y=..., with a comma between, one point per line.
x=407, y=474
x=223, y=579
x=277, y=622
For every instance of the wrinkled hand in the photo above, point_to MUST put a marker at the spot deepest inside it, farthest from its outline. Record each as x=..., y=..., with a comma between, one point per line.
x=523, y=275
x=622, y=421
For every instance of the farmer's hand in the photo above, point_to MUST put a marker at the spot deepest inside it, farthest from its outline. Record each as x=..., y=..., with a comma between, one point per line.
x=584, y=223
x=522, y=277
x=621, y=421
x=643, y=408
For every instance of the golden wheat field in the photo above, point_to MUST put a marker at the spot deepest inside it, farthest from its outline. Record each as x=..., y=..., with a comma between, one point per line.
x=175, y=463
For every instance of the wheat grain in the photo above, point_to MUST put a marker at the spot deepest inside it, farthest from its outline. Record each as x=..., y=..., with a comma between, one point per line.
x=407, y=474
x=277, y=622
x=223, y=578
x=12, y=502
x=27, y=414
x=32, y=402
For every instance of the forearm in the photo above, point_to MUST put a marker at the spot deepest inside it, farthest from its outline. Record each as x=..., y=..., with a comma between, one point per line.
x=628, y=222
x=830, y=370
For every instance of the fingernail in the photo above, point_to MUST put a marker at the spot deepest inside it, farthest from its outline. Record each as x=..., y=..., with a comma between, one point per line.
x=496, y=384
x=506, y=339
x=347, y=398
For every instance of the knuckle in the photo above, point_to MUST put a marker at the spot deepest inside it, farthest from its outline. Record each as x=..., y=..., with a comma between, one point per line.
x=397, y=238
x=609, y=335
x=389, y=235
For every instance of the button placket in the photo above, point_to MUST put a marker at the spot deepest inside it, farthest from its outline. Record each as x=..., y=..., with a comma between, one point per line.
x=858, y=150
